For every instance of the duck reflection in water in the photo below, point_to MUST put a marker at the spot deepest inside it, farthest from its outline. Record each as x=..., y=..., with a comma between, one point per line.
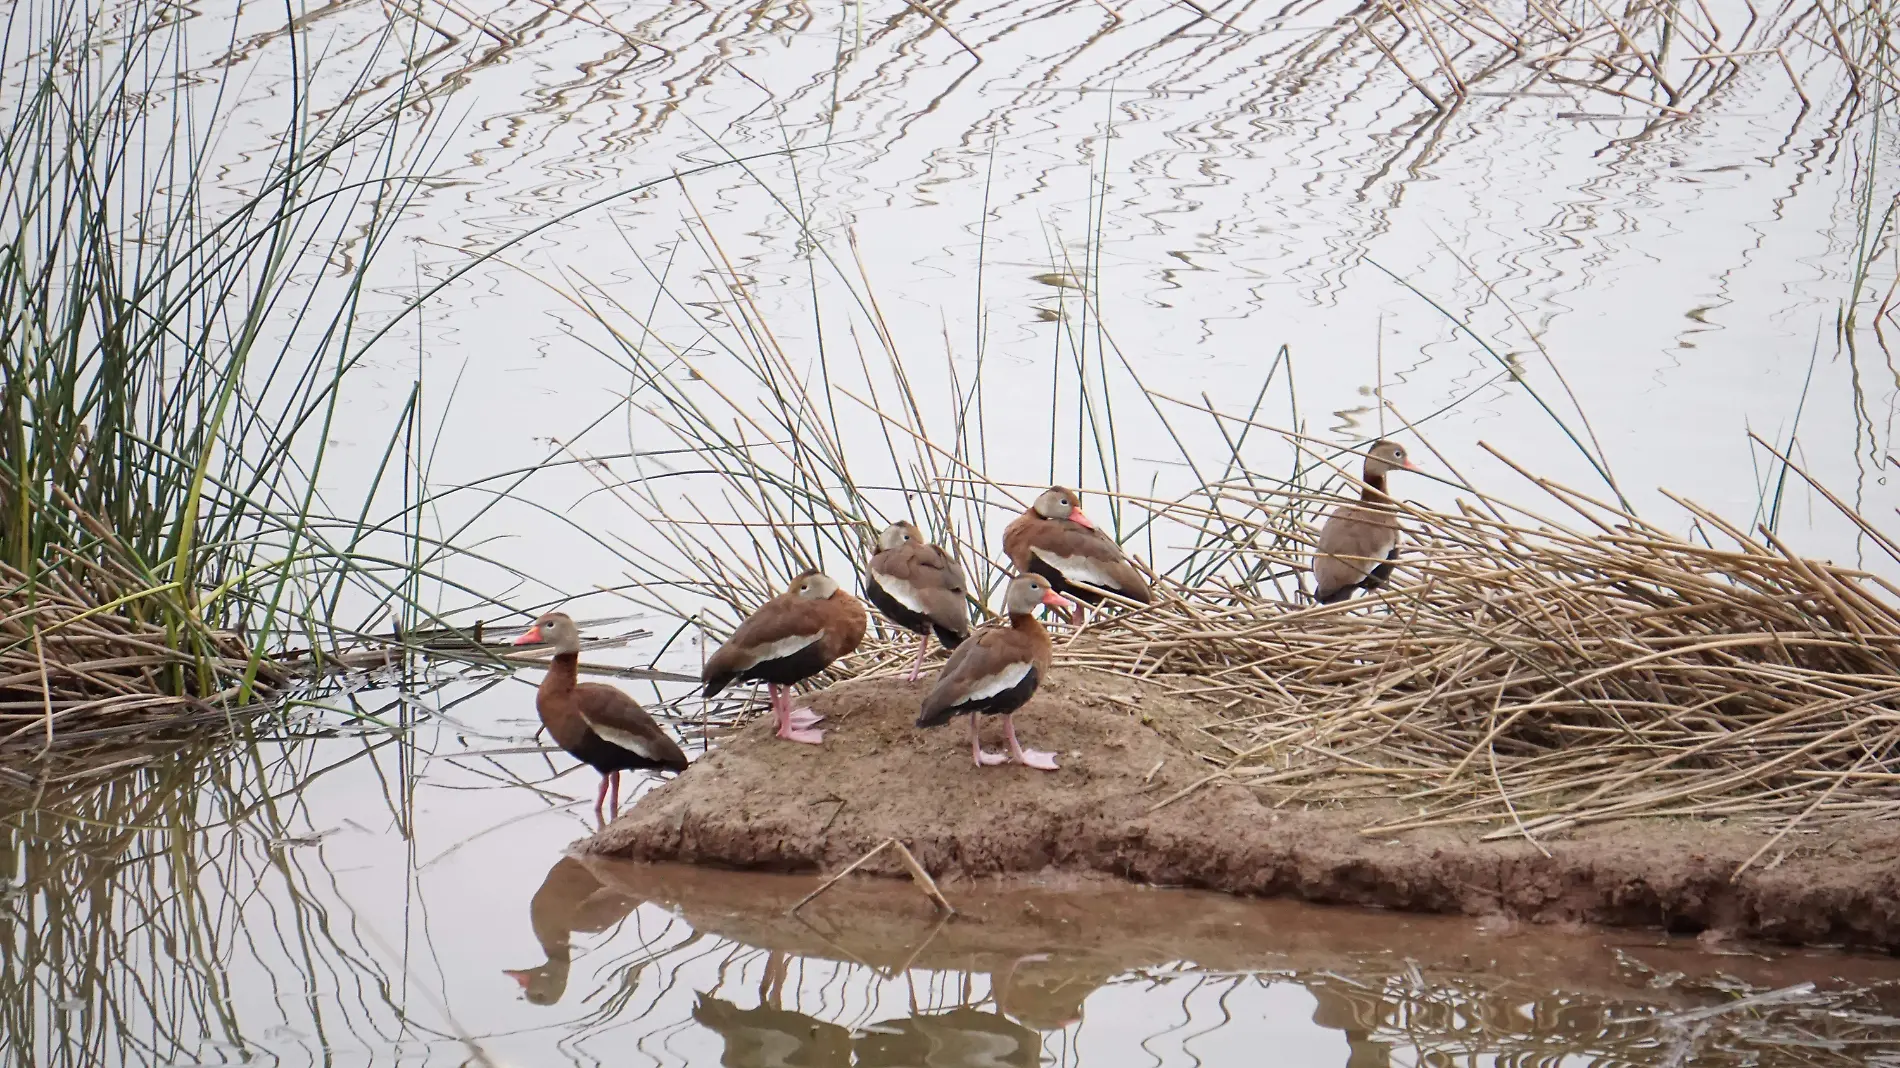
x=570, y=899
x=1358, y=1011
x=961, y=1038
x=770, y=1036
x=1034, y=994
x=1045, y=993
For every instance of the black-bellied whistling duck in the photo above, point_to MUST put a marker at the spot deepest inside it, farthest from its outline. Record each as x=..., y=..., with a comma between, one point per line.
x=918, y=587
x=789, y=639
x=997, y=671
x=570, y=899
x=1359, y=541
x=1055, y=540
x=597, y=724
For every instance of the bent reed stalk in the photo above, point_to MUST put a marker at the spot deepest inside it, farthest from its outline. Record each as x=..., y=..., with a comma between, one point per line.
x=1530, y=669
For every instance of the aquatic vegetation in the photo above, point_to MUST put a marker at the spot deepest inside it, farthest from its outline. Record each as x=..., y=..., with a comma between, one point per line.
x=177, y=326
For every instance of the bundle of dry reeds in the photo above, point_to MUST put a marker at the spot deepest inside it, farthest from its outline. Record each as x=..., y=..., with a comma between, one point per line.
x=1535, y=673
x=76, y=666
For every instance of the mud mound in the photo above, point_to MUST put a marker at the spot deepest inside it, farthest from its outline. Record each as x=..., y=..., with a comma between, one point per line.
x=764, y=804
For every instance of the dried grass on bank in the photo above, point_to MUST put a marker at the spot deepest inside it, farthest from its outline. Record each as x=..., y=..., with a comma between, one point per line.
x=1522, y=675
x=1526, y=674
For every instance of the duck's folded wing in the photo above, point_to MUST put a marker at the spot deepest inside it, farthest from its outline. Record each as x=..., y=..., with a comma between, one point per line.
x=1350, y=546
x=779, y=628
x=925, y=580
x=991, y=661
x=1094, y=558
x=619, y=719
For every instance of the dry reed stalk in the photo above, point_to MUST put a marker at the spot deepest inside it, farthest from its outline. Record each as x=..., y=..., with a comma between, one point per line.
x=916, y=871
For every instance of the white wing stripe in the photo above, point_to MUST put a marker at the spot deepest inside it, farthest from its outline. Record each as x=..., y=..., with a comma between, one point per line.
x=1080, y=568
x=782, y=648
x=1005, y=679
x=903, y=593
x=626, y=740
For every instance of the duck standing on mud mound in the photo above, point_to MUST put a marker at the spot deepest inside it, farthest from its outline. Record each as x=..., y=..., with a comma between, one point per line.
x=789, y=639
x=1055, y=540
x=918, y=587
x=997, y=671
x=1359, y=542
x=600, y=726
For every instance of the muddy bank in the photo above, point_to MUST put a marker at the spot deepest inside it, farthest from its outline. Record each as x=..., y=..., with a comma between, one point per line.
x=758, y=803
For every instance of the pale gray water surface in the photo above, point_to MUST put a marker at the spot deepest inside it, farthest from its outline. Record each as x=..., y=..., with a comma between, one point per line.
x=1223, y=191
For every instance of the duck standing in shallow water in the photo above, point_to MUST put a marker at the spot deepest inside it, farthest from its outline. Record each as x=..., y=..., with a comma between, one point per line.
x=1359, y=542
x=1055, y=540
x=997, y=671
x=918, y=587
x=600, y=726
x=789, y=639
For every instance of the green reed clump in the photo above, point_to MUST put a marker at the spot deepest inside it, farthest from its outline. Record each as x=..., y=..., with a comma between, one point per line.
x=177, y=320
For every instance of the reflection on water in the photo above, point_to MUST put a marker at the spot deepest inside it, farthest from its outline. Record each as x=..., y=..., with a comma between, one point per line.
x=769, y=1035
x=570, y=899
x=402, y=898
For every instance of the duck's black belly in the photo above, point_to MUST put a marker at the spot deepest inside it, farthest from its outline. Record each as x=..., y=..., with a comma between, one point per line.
x=606, y=757
x=894, y=610
x=795, y=667
x=1002, y=704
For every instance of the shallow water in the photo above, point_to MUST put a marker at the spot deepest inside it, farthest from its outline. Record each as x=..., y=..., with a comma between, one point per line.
x=402, y=897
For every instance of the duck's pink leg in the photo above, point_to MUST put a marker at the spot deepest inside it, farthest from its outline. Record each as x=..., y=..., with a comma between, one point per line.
x=799, y=716
x=789, y=726
x=614, y=807
x=923, y=643
x=983, y=757
x=600, y=799
x=1077, y=612
x=1030, y=758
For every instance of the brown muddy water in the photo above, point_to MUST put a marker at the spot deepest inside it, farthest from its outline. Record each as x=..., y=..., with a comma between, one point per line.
x=401, y=897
